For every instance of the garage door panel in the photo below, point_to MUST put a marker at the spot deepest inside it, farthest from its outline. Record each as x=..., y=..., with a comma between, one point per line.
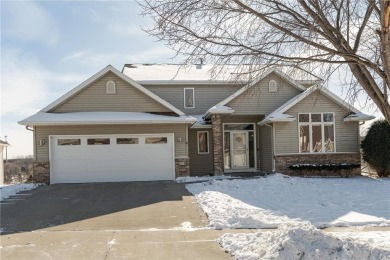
x=112, y=162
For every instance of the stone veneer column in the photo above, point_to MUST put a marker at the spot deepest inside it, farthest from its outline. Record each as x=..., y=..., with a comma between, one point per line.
x=217, y=144
x=182, y=167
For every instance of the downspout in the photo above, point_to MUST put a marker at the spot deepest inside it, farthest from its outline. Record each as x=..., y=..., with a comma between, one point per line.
x=34, y=138
x=272, y=146
x=359, y=138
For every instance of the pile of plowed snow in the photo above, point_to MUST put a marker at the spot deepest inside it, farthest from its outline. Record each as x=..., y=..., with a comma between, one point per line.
x=299, y=241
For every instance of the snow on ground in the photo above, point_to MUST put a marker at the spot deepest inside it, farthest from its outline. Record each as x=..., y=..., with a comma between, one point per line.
x=270, y=201
x=379, y=238
x=299, y=241
x=10, y=190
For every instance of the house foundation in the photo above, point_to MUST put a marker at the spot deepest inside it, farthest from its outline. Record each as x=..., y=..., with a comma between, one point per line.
x=326, y=165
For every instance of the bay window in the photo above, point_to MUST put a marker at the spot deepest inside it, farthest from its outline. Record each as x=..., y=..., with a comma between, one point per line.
x=316, y=132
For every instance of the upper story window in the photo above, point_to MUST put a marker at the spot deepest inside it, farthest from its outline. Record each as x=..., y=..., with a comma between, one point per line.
x=316, y=132
x=189, y=98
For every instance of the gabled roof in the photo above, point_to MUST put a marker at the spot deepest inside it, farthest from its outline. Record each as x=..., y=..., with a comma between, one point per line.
x=279, y=116
x=254, y=82
x=95, y=77
x=92, y=118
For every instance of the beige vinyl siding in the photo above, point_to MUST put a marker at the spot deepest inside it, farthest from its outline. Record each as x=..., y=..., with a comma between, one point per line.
x=43, y=133
x=258, y=100
x=206, y=96
x=346, y=133
x=126, y=99
x=200, y=164
x=265, y=148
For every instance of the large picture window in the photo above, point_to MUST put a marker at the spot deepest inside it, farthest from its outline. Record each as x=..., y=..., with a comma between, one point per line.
x=189, y=98
x=316, y=132
x=203, y=142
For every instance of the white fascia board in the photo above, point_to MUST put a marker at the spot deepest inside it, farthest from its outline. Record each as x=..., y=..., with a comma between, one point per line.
x=120, y=75
x=88, y=118
x=338, y=100
x=358, y=117
x=271, y=119
x=26, y=123
x=254, y=82
x=189, y=82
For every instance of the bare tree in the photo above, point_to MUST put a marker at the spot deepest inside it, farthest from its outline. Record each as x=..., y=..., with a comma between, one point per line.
x=317, y=35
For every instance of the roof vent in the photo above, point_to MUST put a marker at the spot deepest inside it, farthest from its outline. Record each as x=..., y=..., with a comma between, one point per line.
x=272, y=86
x=199, y=66
x=110, y=87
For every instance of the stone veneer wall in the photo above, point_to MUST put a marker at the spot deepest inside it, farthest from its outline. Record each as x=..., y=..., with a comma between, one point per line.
x=41, y=172
x=182, y=167
x=282, y=163
x=217, y=144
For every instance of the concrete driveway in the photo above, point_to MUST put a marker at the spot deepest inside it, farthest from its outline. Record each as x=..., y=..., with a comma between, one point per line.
x=139, y=220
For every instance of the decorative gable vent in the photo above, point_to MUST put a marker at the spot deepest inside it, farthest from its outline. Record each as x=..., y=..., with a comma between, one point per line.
x=272, y=86
x=110, y=87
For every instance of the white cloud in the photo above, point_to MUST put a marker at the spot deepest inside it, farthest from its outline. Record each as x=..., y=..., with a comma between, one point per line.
x=151, y=55
x=26, y=84
x=75, y=55
x=22, y=84
x=30, y=22
x=126, y=29
x=88, y=57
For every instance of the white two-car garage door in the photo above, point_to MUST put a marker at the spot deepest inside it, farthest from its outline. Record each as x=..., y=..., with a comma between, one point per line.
x=111, y=158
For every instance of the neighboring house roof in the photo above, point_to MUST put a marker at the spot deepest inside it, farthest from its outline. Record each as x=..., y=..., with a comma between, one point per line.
x=251, y=84
x=107, y=69
x=279, y=116
x=90, y=118
x=3, y=143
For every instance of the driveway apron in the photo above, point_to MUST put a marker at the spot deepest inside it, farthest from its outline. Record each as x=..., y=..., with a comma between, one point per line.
x=131, y=220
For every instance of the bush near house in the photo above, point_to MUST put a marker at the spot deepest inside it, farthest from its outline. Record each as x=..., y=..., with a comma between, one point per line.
x=18, y=170
x=376, y=147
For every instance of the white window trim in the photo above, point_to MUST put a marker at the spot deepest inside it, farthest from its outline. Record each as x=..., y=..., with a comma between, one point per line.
x=322, y=124
x=208, y=141
x=193, y=97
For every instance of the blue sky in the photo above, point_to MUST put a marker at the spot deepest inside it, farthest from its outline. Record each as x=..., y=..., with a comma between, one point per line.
x=49, y=47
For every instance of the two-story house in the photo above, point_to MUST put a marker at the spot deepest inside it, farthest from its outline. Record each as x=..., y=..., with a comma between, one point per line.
x=161, y=121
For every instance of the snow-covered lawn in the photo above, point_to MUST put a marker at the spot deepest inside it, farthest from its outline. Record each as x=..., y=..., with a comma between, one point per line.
x=12, y=189
x=297, y=207
x=268, y=202
x=301, y=241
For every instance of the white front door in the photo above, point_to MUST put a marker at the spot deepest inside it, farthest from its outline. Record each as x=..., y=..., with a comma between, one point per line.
x=239, y=150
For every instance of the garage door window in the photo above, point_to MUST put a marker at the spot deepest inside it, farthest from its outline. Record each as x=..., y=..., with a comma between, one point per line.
x=156, y=140
x=98, y=141
x=68, y=142
x=127, y=140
